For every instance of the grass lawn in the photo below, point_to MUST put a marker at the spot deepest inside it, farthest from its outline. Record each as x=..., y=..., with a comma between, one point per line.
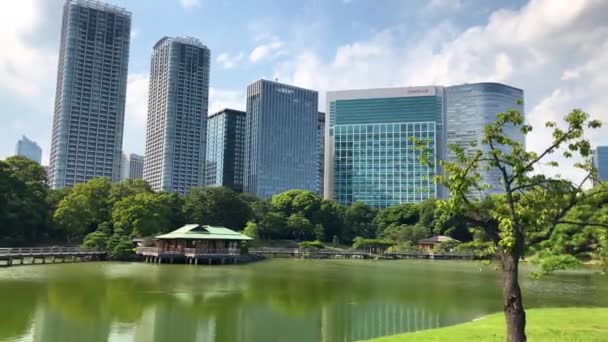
x=560, y=324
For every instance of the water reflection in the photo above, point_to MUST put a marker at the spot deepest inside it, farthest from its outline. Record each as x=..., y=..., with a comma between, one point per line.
x=279, y=300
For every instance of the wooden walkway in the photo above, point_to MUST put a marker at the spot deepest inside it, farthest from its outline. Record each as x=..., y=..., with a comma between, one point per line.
x=41, y=255
x=356, y=254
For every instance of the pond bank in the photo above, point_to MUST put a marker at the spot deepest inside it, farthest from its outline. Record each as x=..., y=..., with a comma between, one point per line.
x=557, y=324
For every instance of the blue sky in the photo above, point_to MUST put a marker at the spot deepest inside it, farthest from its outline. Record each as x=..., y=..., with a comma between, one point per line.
x=556, y=50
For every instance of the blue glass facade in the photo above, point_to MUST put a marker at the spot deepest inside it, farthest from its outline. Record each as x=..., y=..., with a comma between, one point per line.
x=370, y=157
x=320, y=152
x=89, y=109
x=469, y=108
x=600, y=161
x=225, y=155
x=280, y=139
x=29, y=149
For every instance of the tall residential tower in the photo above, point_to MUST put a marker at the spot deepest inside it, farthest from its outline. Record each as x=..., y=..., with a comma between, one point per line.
x=280, y=139
x=177, y=115
x=90, y=96
x=225, y=157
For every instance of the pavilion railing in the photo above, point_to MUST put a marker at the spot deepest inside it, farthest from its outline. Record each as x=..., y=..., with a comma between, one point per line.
x=188, y=251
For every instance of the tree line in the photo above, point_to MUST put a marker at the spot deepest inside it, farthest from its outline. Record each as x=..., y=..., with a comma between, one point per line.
x=105, y=214
x=108, y=215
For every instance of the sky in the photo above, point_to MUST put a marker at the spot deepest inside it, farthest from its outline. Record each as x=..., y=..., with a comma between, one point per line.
x=556, y=50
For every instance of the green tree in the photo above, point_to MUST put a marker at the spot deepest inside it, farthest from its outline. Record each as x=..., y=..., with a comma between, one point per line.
x=23, y=209
x=331, y=216
x=143, y=214
x=216, y=206
x=300, y=227
x=405, y=233
x=319, y=232
x=97, y=239
x=359, y=219
x=129, y=187
x=297, y=201
x=273, y=226
x=87, y=205
x=406, y=213
x=251, y=230
x=533, y=204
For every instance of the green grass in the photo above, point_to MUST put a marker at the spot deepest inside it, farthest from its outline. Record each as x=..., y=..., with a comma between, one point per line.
x=563, y=324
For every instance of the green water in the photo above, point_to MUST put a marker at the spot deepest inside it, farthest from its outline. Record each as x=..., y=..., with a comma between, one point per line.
x=276, y=300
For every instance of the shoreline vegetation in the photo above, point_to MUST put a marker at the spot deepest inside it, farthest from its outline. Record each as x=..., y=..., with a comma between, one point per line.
x=553, y=324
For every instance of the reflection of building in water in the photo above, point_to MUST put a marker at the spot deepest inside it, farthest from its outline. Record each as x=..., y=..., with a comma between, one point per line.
x=354, y=322
x=59, y=326
x=221, y=322
x=170, y=322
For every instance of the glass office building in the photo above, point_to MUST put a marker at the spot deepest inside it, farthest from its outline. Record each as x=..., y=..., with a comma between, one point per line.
x=225, y=157
x=600, y=161
x=29, y=149
x=177, y=115
x=369, y=155
x=280, y=139
x=320, y=151
x=469, y=108
x=88, y=118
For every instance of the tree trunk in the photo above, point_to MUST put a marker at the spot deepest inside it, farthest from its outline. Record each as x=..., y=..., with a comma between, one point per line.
x=515, y=315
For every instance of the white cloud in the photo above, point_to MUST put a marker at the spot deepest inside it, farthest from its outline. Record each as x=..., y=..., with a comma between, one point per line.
x=570, y=75
x=222, y=98
x=190, y=3
x=25, y=67
x=528, y=48
x=229, y=61
x=274, y=48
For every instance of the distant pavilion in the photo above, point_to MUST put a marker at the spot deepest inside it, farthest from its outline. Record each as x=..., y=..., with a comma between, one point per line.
x=193, y=243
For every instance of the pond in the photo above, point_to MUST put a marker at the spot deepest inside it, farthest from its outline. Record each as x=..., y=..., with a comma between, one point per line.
x=274, y=300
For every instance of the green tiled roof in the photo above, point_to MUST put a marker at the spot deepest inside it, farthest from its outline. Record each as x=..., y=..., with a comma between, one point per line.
x=199, y=232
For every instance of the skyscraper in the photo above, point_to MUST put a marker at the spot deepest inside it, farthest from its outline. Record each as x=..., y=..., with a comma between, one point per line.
x=132, y=166
x=471, y=107
x=600, y=161
x=90, y=96
x=29, y=149
x=280, y=139
x=177, y=115
x=320, y=152
x=136, y=166
x=369, y=155
x=225, y=156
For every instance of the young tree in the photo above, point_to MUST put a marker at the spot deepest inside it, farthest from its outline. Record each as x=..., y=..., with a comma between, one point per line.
x=531, y=205
x=251, y=230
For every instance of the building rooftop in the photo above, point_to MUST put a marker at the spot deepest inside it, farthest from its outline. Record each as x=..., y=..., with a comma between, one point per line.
x=203, y=232
x=101, y=6
x=437, y=239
